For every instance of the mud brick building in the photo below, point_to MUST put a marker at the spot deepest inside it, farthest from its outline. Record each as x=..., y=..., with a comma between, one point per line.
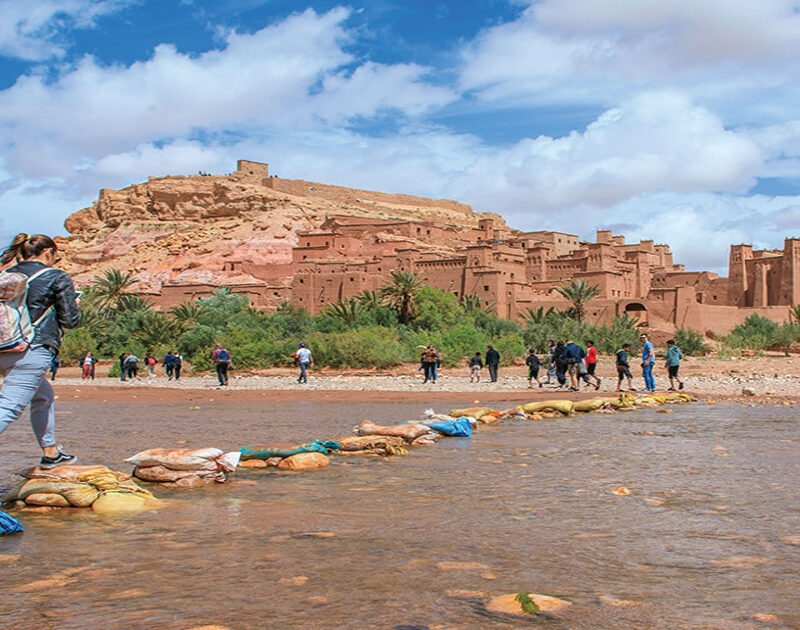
x=278, y=240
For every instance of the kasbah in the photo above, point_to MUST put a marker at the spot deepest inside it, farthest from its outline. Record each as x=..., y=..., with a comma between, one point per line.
x=282, y=241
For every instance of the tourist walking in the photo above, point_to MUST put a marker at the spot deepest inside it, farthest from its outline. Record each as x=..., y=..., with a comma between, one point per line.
x=475, y=367
x=648, y=361
x=574, y=354
x=31, y=337
x=674, y=356
x=591, y=365
x=55, y=363
x=429, y=359
x=87, y=366
x=533, y=363
x=222, y=359
x=169, y=365
x=551, y=363
x=150, y=362
x=304, y=359
x=624, y=367
x=492, y=362
x=560, y=360
x=122, y=370
x=131, y=367
x=178, y=365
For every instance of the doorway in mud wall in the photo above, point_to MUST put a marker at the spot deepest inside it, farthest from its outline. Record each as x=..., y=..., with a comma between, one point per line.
x=637, y=311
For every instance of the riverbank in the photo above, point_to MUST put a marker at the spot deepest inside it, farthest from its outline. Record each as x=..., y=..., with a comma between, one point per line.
x=769, y=379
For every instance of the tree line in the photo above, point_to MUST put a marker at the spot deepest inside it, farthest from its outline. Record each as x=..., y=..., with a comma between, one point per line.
x=378, y=329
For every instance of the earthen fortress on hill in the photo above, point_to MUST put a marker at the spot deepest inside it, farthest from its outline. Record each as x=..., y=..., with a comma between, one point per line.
x=276, y=240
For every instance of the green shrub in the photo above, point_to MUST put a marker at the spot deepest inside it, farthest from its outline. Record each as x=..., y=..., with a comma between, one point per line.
x=756, y=333
x=75, y=344
x=691, y=342
x=375, y=346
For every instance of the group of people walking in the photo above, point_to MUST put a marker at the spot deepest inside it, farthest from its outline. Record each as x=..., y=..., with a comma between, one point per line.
x=569, y=365
x=129, y=365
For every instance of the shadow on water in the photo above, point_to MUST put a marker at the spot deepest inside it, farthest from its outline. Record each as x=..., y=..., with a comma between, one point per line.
x=422, y=541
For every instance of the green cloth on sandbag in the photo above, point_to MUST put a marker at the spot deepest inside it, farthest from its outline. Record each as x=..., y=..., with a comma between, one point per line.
x=317, y=446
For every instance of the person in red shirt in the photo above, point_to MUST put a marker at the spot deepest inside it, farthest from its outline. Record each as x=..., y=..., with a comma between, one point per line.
x=591, y=364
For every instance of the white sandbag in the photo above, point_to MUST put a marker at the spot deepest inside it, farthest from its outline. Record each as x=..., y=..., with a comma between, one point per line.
x=187, y=459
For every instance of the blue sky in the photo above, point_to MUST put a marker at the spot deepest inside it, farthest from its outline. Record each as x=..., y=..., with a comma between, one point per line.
x=675, y=120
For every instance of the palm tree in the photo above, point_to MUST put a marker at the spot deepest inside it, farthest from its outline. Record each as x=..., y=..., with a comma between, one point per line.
x=370, y=300
x=110, y=288
x=794, y=313
x=401, y=294
x=535, y=316
x=348, y=311
x=472, y=305
x=186, y=314
x=133, y=303
x=154, y=329
x=580, y=293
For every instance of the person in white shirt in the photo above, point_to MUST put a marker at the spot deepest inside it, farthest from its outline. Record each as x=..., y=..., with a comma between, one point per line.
x=304, y=359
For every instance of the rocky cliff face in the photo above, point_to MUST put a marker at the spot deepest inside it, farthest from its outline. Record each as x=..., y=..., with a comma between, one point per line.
x=182, y=230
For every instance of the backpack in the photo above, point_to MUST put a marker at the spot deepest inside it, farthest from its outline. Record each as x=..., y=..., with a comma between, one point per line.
x=16, y=328
x=224, y=356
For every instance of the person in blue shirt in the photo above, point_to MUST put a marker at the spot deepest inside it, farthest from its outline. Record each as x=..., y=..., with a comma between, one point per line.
x=574, y=355
x=648, y=361
x=674, y=356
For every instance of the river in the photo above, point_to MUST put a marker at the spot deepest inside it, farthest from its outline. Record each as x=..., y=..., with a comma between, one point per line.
x=420, y=541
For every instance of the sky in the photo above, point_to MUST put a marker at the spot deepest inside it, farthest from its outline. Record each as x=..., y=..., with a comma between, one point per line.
x=672, y=120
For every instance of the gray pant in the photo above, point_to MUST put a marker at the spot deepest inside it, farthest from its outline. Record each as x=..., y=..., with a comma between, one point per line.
x=24, y=384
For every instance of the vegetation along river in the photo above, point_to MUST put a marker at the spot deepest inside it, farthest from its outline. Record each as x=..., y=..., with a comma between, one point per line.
x=707, y=537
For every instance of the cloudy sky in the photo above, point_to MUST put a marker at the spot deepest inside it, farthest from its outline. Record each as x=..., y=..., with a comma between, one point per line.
x=676, y=120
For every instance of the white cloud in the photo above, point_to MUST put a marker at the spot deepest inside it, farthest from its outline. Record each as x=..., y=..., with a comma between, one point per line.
x=664, y=158
x=34, y=30
x=656, y=141
x=605, y=50
x=287, y=75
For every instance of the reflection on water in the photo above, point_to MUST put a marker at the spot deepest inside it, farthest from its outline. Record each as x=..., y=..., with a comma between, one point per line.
x=415, y=541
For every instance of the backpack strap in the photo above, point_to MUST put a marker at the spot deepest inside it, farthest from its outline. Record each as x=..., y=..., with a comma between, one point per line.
x=33, y=276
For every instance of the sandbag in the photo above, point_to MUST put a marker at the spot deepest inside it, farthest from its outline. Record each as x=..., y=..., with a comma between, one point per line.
x=47, y=498
x=304, y=461
x=379, y=444
x=624, y=401
x=81, y=495
x=408, y=432
x=678, y=397
x=471, y=412
x=74, y=474
x=265, y=451
x=9, y=525
x=459, y=427
x=163, y=474
x=489, y=419
x=112, y=502
x=592, y=404
x=431, y=437
x=562, y=406
x=186, y=459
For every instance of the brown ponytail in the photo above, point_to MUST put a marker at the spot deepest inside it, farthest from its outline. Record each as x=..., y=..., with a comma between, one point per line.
x=24, y=247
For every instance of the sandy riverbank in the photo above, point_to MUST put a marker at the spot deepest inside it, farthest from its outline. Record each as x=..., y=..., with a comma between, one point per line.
x=772, y=379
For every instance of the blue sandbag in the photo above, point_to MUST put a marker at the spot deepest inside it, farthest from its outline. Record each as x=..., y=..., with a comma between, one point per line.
x=9, y=525
x=264, y=452
x=460, y=427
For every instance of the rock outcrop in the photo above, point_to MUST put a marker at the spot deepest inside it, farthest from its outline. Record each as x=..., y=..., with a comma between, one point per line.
x=181, y=230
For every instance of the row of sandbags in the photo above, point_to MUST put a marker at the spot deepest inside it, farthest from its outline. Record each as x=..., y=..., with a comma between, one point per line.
x=95, y=487
x=370, y=439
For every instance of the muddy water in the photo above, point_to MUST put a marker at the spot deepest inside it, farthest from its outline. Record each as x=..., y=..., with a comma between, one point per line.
x=697, y=543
